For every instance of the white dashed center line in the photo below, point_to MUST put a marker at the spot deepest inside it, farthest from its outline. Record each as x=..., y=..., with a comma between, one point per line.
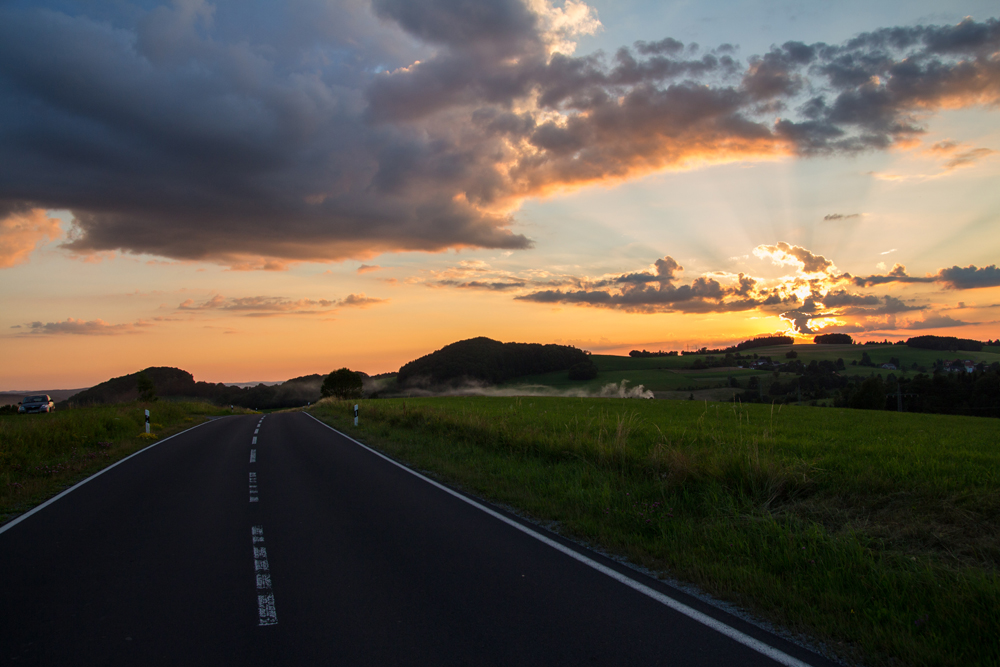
x=253, y=487
x=256, y=431
x=254, y=441
x=265, y=596
x=253, y=456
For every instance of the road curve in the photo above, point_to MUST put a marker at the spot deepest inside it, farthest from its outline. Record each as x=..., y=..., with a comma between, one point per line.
x=276, y=541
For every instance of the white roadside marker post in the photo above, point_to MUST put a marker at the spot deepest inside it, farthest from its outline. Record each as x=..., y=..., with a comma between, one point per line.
x=355, y=414
x=147, y=421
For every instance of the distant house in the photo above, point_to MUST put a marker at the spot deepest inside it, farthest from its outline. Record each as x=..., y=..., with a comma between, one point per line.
x=889, y=367
x=959, y=364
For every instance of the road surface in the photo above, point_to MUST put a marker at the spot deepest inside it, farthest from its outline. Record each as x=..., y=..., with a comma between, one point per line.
x=274, y=540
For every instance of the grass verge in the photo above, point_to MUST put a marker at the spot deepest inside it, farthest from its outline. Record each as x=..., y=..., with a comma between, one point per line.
x=40, y=455
x=876, y=533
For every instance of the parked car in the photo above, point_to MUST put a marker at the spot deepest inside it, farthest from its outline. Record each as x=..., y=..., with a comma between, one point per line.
x=40, y=403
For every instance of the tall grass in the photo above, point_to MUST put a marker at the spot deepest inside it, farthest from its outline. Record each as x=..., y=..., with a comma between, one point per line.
x=877, y=533
x=41, y=454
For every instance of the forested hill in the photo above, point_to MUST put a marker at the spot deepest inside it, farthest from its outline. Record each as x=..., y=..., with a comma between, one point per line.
x=489, y=361
x=176, y=383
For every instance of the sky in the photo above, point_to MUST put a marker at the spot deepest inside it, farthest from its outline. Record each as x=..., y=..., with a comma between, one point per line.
x=254, y=191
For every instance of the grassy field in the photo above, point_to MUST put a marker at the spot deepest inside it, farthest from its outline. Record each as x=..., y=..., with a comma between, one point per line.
x=668, y=375
x=42, y=454
x=874, y=532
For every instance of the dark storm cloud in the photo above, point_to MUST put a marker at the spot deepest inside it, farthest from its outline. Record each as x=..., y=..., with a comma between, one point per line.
x=936, y=322
x=969, y=277
x=166, y=142
x=490, y=286
x=315, y=131
x=955, y=278
x=887, y=305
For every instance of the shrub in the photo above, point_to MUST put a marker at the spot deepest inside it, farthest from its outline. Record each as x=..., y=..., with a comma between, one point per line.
x=585, y=370
x=870, y=395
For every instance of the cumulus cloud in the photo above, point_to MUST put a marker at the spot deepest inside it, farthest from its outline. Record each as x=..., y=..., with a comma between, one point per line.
x=319, y=131
x=21, y=231
x=784, y=253
x=72, y=326
x=654, y=290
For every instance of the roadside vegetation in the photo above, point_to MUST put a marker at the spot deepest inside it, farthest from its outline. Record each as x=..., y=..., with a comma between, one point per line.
x=874, y=532
x=40, y=455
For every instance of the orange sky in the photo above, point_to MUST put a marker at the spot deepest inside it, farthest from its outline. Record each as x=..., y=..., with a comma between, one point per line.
x=614, y=215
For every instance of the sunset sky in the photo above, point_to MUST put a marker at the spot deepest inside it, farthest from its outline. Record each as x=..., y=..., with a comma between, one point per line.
x=253, y=191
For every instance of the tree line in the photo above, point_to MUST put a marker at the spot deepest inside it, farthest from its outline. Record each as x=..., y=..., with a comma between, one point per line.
x=939, y=391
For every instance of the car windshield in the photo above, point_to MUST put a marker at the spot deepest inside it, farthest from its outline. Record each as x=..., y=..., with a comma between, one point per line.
x=37, y=399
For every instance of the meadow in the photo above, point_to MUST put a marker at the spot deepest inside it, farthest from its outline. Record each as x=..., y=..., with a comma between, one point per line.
x=672, y=377
x=872, y=532
x=42, y=454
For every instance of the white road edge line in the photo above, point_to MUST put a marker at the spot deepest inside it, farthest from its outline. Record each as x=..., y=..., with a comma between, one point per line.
x=734, y=634
x=14, y=522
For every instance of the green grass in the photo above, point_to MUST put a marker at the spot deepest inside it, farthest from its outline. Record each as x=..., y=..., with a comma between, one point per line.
x=40, y=455
x=874, y=532
x=673, y=374
x=655, y=374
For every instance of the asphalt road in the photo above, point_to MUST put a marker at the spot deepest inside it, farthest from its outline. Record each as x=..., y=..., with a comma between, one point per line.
x=276, y=541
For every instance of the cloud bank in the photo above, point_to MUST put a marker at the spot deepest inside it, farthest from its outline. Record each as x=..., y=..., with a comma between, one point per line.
x=814, y=295
x=72, y=326
x=201, y=131
x=270, y=306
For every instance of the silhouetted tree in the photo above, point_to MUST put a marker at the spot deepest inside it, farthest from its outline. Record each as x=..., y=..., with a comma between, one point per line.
x=833, y=339
x=146, y=387
x=342, y=383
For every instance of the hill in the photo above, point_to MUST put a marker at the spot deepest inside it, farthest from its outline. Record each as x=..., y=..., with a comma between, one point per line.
x=176, y=384
x=489, y=361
